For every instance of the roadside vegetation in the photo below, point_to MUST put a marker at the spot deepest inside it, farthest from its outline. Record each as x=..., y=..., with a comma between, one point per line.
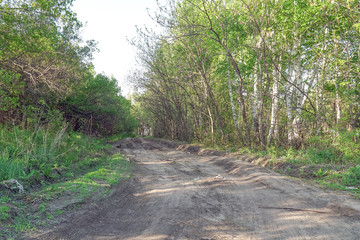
x=56, y=113
x=272, y=78
x=57, y=171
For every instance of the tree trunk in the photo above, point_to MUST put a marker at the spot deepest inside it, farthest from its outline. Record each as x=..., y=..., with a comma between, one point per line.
x=233, y=109
x=274, y=130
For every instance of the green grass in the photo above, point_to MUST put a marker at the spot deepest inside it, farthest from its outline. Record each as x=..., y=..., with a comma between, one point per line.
x=90, y=184
x=10, y=168
x=34, y=154
x=53, y=166
x=105, y=172
x=351, y=177
x=4, y=213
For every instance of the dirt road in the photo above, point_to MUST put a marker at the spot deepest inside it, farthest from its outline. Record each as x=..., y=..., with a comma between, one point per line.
x=179, y=195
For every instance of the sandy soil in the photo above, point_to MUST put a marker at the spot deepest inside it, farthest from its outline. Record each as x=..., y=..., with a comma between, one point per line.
x=177, y=194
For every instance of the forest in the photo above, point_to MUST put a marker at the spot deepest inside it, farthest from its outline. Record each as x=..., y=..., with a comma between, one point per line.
x=271, y=75
x=50, y=94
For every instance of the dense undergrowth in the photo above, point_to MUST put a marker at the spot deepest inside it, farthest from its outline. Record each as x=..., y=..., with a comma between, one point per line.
x=58, y=169
x=40, y=154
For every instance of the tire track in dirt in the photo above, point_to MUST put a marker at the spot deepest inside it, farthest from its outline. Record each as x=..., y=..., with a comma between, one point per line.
x=177, y=195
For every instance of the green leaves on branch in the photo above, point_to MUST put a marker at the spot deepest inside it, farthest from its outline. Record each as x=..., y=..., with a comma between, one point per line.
x=11, y=89
x=97, y=107
x=254, y=72
x=45, y=68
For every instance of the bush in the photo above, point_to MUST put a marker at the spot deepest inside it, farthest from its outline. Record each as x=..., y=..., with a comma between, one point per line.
x=98, y=108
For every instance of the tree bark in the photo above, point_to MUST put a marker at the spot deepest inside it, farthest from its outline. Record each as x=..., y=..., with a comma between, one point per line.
x=274, y=130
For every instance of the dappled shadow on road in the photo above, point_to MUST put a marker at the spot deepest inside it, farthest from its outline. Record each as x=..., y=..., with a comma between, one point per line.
x=176, y=195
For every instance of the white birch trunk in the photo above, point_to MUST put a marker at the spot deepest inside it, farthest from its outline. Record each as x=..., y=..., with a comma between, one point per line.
x=254, y=98
x=299, y=95
x=289, y=106
x=233, y=109
x=320, y=84
x=337, y=99
x=273, y=131
x=337, y=105
x=211, y=124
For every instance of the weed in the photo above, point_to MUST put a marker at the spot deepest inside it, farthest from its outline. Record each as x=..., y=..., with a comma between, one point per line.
x=275, y=153
x=4, y=200
x=59, y=212
x=232, y=149
x=4, y=213
x=23, y=223
x=322, y=156
x=291, y=153
x=118, y=137
x=42, y=208
x=49, y=216
x=352, y=176
x=10, y=167
x=320, y=173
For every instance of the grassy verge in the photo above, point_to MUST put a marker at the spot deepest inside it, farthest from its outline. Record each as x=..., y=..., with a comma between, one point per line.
x=325, y=165
x=59, y=173
x=330, y=160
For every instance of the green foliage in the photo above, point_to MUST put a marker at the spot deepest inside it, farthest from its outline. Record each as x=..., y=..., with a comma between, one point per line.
x=47, y=86
x=320, y=173
x=255, y=74
x=4, y=213
x=118, y=137
x=352, y=176
x=93, y=175
x=348, y=144
x=4, y=209
x=78, y=166
x=10, y=168
x=322, y=156
x=35, y=155
x=98, y=108
x=41, y=47
x=10, y=90
x=43, y=61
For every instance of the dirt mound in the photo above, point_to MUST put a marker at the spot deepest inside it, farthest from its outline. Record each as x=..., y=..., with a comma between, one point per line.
x=144, y=143
x=199, y=151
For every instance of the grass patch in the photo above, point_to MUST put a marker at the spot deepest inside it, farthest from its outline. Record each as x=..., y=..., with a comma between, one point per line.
x=102, y=174
x=57, y=177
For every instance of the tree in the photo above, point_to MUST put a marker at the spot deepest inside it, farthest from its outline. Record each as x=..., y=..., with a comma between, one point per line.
x=39, y=42
x=97, y=108
x=292, y=66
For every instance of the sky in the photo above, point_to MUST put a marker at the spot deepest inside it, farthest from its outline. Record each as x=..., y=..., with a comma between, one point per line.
x=110, y=23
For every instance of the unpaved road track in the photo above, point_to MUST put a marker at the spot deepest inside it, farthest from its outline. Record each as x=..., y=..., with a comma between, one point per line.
x=177, y=195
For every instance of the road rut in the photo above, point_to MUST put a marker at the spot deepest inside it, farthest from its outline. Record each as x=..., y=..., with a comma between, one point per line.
x=175, y=194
